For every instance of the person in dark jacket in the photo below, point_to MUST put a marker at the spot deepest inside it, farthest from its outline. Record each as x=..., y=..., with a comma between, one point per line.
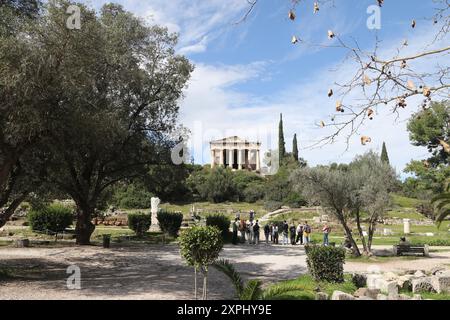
x=267, y=232
x=285, y=232
x=256, y=233
x=235, y=226
x=292, y=233
x=299, y=233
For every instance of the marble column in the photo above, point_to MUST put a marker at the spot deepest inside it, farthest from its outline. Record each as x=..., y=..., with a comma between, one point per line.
x=240, y=159
x=257, y=160
x=230, y=157
x=213, y=158
x=221, y=157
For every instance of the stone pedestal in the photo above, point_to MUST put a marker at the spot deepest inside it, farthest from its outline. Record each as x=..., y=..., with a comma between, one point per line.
x=406, y=226
x=154, y=211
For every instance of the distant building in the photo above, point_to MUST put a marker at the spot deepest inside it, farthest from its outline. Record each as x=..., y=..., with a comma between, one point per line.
x=237, y=153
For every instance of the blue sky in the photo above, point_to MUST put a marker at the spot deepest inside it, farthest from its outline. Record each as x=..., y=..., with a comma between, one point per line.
x=248, y=73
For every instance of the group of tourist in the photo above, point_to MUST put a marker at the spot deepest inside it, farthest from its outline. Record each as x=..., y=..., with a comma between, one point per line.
x=248, y=231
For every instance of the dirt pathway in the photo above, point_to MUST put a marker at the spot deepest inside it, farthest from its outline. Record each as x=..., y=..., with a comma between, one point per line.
x=155, y=271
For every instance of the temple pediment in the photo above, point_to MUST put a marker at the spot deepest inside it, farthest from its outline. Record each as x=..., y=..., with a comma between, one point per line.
x=236, y=153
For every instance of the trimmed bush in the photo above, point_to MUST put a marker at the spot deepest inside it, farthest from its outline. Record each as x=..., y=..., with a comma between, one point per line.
x=170, y=222
x=221, y=222
x=325, y=263
x=53, y=218
x=139, y=222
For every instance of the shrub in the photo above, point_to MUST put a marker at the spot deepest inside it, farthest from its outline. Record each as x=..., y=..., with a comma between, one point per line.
x=253, y=192
x=200, y=247
x=325, y=263
x=295, y=200
x=132, y=196
x=170, y=222
x=221, y=222
x=54, y=218
x=139, y=222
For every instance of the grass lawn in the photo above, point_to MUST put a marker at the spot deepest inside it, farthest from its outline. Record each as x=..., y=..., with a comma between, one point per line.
x=311, y=286
x=208, y=208
x=405, y=202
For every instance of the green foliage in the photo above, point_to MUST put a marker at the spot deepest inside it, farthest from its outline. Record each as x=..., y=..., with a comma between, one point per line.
x=170, y=222
x=200, y=246
x=249, y=186
x=220, y=186
x=252, y=289
x=131, y=196
x=384, y=154
x=53, y=218
x=295, y=200
x=253, y=192
x=426, y=127
x=168, y=181
x=281, y=144
x=227, y=268
x=139, y=222
x=221, y=222
x=295, y=148
x=442, y=204
x=325, y=263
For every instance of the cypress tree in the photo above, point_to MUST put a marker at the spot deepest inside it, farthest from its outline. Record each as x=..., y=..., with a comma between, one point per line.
x=384, y=154
x=281, y=144
x=295, y=148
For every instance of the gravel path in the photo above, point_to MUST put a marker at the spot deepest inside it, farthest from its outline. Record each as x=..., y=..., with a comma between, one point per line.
x=154, y=271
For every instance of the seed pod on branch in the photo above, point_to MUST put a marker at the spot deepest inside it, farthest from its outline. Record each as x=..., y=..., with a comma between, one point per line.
x=367, y=80
x=339, y=107
x=294, y=40
x=365, y=140
x=401, y=102
x=316, y=7
x=426, y=92
x=291, y=15
x=413, y=24
x=370, y=113
x=331, y=34
x=330, y=93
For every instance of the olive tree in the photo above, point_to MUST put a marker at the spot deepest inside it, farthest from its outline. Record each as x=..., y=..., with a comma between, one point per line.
x=113, y=87
x=373, y=179
x=24, y=98
x=348, y=191
x=200, y=247
x=332, y=188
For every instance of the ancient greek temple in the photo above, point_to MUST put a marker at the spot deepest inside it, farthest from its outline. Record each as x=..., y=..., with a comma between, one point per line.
x=237, y=153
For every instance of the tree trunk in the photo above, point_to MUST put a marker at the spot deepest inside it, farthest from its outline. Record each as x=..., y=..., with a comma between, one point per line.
x=195, y=283
x=371, y=231
x=84, y=227
x=8, y=212
x=348, y=232
x=360, y=231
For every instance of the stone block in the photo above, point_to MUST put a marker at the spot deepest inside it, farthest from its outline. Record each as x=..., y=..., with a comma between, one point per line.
x=441, y=282
x=321, y=296
x=367, y=292
x=422, y=285
x=339, y=295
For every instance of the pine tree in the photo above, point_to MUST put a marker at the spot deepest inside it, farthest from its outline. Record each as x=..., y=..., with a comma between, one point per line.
x=295, y=148
x=281, y=144
x=384, y=154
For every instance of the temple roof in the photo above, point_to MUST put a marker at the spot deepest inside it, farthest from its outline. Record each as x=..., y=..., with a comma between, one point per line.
x=232, y=139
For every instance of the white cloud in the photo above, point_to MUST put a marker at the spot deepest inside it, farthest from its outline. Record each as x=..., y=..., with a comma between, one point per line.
x=215, y=106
